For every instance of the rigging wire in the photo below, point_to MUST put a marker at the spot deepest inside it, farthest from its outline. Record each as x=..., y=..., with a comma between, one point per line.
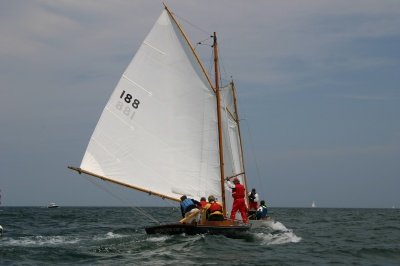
x=253, y=153
x=191, y=24
x=123, y=201
x=202, y=42
x=222, y=65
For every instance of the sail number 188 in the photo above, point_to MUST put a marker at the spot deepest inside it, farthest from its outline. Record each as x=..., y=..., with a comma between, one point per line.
x=128, y=98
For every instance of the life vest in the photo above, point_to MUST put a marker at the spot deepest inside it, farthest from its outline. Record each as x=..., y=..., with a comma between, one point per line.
x=215, y=207
x=187, y=205
x=238, y=191
x=203, y=203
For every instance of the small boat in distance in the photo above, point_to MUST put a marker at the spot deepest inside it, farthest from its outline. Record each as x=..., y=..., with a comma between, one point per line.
x=52, y=205
x=313, y=204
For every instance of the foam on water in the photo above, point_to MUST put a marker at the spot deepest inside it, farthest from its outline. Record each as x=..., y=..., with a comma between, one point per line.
x=158, y=238
x=279, y=235
x=278, y=239
x=108, y=235
x=41, y=241
x=278, y=226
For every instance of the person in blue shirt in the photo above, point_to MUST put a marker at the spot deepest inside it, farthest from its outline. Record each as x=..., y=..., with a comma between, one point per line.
x=262, y=211
x=188, y=206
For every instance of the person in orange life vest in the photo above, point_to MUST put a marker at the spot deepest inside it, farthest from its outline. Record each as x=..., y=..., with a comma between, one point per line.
x=238, y=194
x=253, y=200
x=214, y=210
x=203, y=202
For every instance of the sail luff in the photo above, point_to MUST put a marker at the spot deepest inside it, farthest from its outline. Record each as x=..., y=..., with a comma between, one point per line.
x=220, y=140
x=80, y=170
x=190, y=45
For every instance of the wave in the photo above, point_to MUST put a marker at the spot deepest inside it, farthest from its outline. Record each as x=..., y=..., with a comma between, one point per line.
x=276, y=233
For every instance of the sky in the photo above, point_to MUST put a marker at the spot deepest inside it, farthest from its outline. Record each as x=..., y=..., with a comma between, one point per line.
x=318, y=86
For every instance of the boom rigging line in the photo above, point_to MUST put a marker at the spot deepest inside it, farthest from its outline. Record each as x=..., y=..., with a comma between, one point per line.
x=253, y=153
x=89, y=178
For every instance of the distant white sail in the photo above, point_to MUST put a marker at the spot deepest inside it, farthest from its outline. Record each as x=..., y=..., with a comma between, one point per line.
x=158, y=130
x=313, y=204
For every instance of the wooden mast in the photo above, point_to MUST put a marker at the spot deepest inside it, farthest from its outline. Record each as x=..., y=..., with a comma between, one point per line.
x=220, y=141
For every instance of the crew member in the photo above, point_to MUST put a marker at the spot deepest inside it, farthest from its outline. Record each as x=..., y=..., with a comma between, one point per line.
x=203, y=202
x=214, y=210
x=253, y=200
x=262, y=211
x=189, y=206
x=238, y=194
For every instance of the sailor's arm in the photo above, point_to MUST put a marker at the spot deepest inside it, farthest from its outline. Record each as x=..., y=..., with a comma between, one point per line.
x=229, y=183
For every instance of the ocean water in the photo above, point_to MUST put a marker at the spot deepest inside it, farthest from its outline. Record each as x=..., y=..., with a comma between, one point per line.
x=116, y=236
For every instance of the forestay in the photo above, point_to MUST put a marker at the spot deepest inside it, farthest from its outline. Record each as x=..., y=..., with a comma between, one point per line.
x=158, y=130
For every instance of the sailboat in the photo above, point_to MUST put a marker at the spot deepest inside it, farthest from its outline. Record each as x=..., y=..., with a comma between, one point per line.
x=313, y=204
x=52, y=205
x=169, y=130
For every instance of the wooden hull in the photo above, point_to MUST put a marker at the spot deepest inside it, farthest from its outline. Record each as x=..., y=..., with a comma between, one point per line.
x=225, y=228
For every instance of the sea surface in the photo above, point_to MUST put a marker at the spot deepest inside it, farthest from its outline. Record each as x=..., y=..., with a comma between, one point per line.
x=116, y=236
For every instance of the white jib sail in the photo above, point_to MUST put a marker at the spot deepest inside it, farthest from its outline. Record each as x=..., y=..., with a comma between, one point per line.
x=158, y=130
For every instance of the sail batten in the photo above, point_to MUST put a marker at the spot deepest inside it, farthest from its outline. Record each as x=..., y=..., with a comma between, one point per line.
x=137, y=85
x=158, y=50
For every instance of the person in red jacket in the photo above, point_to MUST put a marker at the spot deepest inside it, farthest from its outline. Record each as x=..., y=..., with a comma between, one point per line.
x=239, y=203
x=203, y=202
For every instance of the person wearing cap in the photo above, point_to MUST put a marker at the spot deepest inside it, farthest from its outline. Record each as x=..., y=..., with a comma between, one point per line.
x=213, y=210
x=239, y=203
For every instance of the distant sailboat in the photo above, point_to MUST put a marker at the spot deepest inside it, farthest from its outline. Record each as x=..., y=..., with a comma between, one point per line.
x=313, y=204
x=168, y=130
x=52, y=205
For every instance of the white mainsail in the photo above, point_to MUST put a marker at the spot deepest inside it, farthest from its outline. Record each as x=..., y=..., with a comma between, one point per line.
x=158, y=130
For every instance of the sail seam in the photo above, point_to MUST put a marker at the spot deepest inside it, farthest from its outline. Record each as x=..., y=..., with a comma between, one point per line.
x=137, y=85
x=151, y=46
